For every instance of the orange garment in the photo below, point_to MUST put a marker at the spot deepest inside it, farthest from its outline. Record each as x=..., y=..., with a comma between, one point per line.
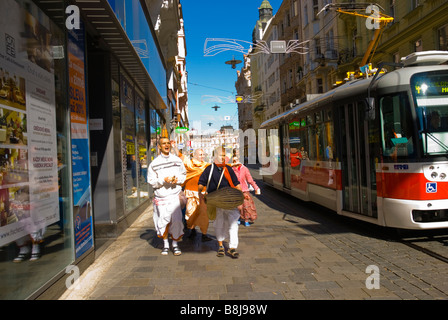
x=194, y=216
x=226, y=173
x=194, y=171
x=295, y=160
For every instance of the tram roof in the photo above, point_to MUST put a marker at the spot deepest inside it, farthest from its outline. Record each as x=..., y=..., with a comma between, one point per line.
x=356, y=87
x=334, y=94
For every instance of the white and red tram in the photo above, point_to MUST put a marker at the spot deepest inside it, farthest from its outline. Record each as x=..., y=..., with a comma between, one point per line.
x=374, y=149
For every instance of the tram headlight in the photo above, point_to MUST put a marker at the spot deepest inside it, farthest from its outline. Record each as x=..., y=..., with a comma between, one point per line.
x=434, y=175
x=443, y=175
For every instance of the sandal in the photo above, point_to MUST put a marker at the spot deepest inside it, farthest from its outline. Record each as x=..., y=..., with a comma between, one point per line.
x=176, y=251
x=21, y=257
x=233, y=253
x=165, y=251
x=221, y=252
x=35, y=256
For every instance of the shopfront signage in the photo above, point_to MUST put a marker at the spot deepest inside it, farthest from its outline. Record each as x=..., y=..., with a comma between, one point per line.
x=181, y=130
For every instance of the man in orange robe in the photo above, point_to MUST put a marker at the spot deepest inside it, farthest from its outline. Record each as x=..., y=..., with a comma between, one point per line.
x=193, y=215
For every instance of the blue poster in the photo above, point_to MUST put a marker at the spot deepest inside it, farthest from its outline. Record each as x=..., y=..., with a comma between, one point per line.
x=80, y=143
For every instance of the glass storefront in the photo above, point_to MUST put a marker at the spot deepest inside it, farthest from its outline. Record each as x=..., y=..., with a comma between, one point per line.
x=36, y=231
x=134, y=145
x=142, y=150
x=46, y=178
x=130, y=162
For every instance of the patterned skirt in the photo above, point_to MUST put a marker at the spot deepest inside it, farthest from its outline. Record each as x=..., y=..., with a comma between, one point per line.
x=248, y=212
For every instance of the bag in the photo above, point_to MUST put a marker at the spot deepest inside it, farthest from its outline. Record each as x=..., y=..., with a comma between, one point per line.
x=211, y=212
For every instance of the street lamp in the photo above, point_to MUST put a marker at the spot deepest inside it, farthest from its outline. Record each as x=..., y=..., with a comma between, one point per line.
x=233, y=62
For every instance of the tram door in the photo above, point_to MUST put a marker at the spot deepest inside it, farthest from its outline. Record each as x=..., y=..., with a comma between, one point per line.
x=285, y=156
x=358, y=188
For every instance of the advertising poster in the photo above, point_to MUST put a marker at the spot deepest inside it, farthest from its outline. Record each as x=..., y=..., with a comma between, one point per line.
x=80, y=143
x=29, y=200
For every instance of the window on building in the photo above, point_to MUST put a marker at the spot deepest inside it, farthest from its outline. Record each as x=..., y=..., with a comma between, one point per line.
x=320, y=85
x=414, y=4
x=418, y=45
x=295, y=7
x=305, y=14
x=315, y=8
x=443, y=38
x=290, y=78
x=392, y=8
x=296, y=34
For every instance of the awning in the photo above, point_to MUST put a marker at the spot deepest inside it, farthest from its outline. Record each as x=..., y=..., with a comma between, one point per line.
x=101, y=20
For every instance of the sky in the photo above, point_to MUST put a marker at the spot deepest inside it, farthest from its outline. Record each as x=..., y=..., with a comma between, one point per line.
x=210, y=81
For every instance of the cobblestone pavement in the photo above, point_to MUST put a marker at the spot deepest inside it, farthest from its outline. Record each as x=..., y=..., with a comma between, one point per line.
x=294, y=251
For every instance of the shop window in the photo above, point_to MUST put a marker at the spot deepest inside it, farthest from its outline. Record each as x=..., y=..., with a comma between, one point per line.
x=118, y=164
x=36, y=206
x=129, y=145
x=142, y=152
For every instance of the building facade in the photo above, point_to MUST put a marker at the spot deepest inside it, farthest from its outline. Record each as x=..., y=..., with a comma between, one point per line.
x=258, y=67
x=84, y=96
x=243, y=87
x=338, y=43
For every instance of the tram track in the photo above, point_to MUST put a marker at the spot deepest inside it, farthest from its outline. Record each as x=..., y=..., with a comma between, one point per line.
x=433, y=243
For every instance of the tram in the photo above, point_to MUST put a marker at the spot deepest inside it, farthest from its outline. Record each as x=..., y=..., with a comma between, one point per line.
x=374, y=149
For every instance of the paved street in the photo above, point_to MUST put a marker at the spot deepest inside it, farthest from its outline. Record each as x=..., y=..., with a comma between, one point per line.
x=292, y=252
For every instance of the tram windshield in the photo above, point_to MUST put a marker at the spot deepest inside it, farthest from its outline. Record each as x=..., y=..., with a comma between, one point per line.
x=430, y=91
x=397, y=126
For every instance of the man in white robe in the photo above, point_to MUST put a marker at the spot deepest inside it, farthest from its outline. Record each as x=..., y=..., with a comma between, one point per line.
x=166, y=174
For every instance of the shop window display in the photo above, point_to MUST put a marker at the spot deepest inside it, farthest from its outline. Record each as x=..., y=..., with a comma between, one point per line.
x=36, y=228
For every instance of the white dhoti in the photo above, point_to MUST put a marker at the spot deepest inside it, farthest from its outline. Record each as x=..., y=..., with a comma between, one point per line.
x=226, y=226
x=168, y=217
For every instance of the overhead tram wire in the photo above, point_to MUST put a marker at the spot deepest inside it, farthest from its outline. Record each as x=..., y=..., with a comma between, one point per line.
x=201, y=85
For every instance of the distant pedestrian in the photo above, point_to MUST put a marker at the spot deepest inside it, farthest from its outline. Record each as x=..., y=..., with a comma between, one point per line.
x=248, y=212
x=226, y=223
x=166, y=174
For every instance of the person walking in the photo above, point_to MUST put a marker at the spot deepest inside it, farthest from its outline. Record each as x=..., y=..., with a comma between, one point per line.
x=166, y=174
x=193, y=215
x=226, y=224
x=248, y=212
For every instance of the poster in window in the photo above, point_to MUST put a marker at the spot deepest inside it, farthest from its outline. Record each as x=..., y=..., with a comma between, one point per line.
x=80, y=142
x=29, y=200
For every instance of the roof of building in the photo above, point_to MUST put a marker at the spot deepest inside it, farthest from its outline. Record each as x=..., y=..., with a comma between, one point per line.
x=265, y=5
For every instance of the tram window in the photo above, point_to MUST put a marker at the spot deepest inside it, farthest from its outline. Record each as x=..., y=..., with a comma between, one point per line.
x=309, y=119
x=430, y=96
x=328, y=115
x=396, y=124
x=312, y=130
x=329, y=135
x=318, y=117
